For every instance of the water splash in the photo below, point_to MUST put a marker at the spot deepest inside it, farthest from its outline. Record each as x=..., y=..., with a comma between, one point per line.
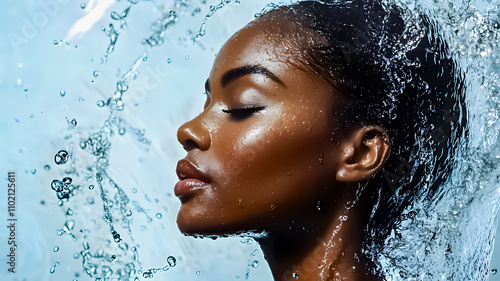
x=450, y=235
x=110, y=257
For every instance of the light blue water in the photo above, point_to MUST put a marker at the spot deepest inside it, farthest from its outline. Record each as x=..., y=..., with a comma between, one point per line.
x=60, y=70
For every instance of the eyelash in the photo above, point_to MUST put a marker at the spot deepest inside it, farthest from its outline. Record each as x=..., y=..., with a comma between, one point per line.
x=242, y=113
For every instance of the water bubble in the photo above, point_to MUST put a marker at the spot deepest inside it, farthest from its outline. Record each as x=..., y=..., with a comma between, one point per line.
x=57, y=185
x=46, y=167
x=56, y=248
x=67, y=180
x=62, y=93
x=96, y=73
x=158, y=216
x=106, y=271
x=171, y=261
x=100, y=103
x=61, y=157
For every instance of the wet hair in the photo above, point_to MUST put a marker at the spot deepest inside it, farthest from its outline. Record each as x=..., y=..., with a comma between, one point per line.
x=391, y=69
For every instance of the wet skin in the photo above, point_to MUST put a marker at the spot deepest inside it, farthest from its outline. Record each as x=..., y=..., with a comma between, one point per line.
x=265, y=140
x=264, y=152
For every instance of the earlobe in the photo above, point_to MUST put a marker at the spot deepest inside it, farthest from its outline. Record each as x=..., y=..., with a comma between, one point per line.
x=365, y=152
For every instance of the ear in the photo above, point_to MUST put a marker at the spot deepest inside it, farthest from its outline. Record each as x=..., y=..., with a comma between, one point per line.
x=365, y=151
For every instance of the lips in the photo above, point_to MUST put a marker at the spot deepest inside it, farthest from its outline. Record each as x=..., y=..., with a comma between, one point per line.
x=191, y=178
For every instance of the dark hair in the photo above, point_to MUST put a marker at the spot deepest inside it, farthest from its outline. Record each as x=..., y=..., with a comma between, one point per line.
x=392, y=69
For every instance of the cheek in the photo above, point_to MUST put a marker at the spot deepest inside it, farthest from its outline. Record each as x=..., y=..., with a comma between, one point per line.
x=273, y=163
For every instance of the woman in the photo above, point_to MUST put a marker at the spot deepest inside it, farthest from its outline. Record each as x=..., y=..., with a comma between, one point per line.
x=321, y=120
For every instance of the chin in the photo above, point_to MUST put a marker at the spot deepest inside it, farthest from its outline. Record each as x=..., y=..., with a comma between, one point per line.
x=204, y=227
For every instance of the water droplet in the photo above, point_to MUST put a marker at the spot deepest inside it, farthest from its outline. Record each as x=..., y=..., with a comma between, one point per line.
x=134, y=190
x=295, y=275
x=96, y=73
x=61, y=157
x=91, y=186
x=62, y=93
x=145, y=59
x=68, y=226
x=83, y=6
x=81, y=99
x=73, y=122
x=169, y=60
x=55, y=42
x=100, y=103
x=158, y=216
x=116, y=236
x=198, y=272
x=171, y=261
x=186, y=57
x=494, y=271
x=33, y=171
x=56, y=248
x=46, y=167
x=69, y=212
x=255, y=264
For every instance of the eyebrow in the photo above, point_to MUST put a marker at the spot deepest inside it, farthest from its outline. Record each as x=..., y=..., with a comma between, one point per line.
x=238, y=72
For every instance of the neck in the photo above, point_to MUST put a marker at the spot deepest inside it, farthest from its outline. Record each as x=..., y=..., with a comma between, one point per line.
x=311, y=250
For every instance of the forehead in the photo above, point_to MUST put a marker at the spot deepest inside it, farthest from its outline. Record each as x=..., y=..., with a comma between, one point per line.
x=270, y=42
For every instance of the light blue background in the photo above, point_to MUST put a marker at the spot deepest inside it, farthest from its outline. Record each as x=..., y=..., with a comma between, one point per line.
x=33, y=124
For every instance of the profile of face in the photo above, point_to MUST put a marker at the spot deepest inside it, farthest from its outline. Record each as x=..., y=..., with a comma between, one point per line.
x=266, y=148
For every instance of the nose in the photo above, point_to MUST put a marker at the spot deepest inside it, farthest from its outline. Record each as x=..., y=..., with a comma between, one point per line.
x=193, y=134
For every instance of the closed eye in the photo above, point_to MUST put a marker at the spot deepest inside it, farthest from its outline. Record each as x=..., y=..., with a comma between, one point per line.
x=239, y=114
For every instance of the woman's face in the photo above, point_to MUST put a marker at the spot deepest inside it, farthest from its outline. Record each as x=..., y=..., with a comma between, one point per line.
x=263, y=149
